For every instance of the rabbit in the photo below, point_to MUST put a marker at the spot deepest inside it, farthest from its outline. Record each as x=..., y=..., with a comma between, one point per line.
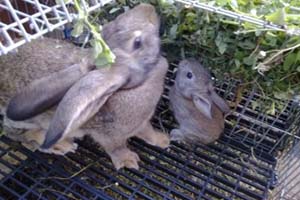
x=113, y=104
x=57, y=62
x=54, y=65
x=42, y=57
x=197, y=107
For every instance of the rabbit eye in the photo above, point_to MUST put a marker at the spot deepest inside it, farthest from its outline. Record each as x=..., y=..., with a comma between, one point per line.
x=189, y=75
x=137, y=43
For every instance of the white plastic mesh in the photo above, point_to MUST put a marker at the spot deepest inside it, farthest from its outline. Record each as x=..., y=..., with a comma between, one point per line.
x=30, y=19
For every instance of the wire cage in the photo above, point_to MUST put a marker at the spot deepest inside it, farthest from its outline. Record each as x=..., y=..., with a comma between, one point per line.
x=257, y=156
x=30, y=19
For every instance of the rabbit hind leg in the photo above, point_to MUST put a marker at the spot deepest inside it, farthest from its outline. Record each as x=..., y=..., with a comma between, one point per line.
x=65, y=145
x=153, y=137
x=177, y=135
x=31, y=139
x=62, y=147
x=192, y=136
x=115, y=147
x=124, y=157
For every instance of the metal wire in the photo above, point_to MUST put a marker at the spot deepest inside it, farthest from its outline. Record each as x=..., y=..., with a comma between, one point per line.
x=240, y=165
x=239, y=17
x=39, y=19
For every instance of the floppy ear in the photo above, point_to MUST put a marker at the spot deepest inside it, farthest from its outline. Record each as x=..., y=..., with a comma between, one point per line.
x=83, y=101
x=220, y=103
x=45, y=92
x=203, y=104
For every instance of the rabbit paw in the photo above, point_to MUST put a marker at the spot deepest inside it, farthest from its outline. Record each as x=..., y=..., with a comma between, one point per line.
x=176, y=135
x=153, y=137
x=157, y=139
x=31, y=136
x=125, y=158
x=63, y=147
x=31, y=139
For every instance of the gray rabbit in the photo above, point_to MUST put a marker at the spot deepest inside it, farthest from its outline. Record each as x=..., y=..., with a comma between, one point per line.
x=197, y=107
x=126, y=94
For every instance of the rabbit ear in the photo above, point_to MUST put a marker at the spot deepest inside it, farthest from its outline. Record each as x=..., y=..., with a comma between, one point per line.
x=203, y=104
x=220, y=103
x=45, y=92
x=82, y=101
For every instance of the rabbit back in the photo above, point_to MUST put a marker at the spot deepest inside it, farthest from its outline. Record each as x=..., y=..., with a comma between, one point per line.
x=34, y=60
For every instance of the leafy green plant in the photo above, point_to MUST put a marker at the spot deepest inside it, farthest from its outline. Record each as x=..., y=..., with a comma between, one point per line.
x=259, y=56
x=267, y=59
x=102, y=54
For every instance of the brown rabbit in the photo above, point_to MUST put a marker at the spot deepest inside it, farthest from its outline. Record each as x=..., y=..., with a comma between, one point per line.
x=127, y=93
x=197, y=107
x=55, y=65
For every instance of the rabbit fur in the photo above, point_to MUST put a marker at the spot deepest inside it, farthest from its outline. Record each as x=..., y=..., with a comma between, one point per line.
x=47, y=66
x=197, y=107
x=110, y=104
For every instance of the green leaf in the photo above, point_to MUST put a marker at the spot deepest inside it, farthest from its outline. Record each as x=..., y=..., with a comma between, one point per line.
x=250, y=60
x=221, y=2
x=101, y=60
x=298, y=56
x=282, y=95
x=113, y=10
x=222, y=46
x=78, y=28
x=173, y=32
x=289, y=60
x=247, y=44
x=272, y=109
x=97, y=47
x=234, y=3
x=255, y=105
x=58, y=2
x=237, y=62
x=277, y=17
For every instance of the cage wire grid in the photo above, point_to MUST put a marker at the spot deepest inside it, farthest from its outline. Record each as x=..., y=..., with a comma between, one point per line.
x=30, y=19
x=242, y=164
x=35, y=18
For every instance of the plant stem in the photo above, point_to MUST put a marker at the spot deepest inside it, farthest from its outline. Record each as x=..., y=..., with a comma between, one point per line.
x=268, y=61
x=96, y=34
x=254, y=30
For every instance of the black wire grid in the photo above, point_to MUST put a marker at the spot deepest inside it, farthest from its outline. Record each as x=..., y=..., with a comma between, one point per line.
x=240, y=165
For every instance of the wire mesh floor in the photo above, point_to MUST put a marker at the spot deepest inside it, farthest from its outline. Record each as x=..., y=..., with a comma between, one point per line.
x=240, y=165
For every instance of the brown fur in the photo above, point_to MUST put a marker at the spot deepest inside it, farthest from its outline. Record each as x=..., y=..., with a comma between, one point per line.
x=131, y=111
x=34, y=60
x=127, y=112
x=195, y=125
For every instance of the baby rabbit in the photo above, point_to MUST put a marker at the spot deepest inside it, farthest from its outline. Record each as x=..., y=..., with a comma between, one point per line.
x=197, y=107
x=127, y=92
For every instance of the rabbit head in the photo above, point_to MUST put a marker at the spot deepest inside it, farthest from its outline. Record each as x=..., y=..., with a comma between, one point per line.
x=137, y=33
x=193, y=82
